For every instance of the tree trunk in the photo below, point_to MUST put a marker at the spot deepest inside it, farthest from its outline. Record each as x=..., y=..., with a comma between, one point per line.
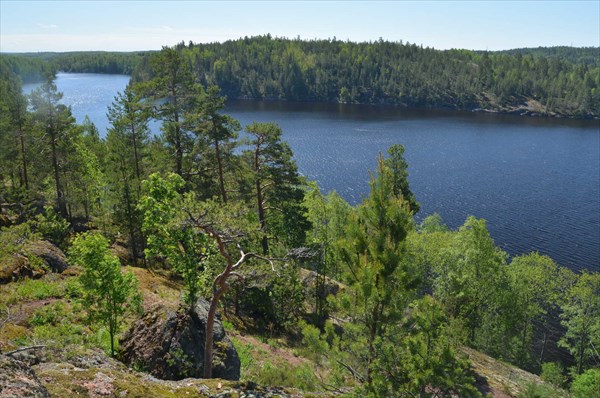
x=23, y=158
x=544, y=341
x=260, y=204
x=220, y=169
x=372, y=336
x=178, y=152
x=131, y=224
x=262, y=219
x=210, y=322
x=60, y=198
x=178, y=143
x=138, y=172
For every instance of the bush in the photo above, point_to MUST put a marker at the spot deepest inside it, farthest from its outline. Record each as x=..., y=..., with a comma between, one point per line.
x=245, y=353
x=48, y=315
x=587, y=384
x=301, y=377
x=313, y=345
x=553, y=373
x=51, y=226
x=533, y=390
x=35, y=289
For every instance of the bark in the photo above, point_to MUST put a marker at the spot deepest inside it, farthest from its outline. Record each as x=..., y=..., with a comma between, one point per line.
x=23, y=158
x=138, y=172
x=220, y=286
x=220, y=169
x=60, y=199
x=260, y=201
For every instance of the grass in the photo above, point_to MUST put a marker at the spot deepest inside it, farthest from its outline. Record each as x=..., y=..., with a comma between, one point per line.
x=39, y=289
x=301, y=377
x=67, y=381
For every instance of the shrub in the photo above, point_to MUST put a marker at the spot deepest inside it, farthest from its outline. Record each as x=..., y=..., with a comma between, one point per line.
x=245, y=354
x=48, y=315
x=37, y=289
x=553, y=373
x=108, y=293
x=301, y=377
x=533, y=390
x=587, y=384
x=313, y=345
x=51, y=226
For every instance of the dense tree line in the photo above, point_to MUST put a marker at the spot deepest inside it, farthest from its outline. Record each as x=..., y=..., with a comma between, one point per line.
x=576, y=55
x=219, y=211
x=34, y=67
x=558, y=81
x=554, y=80
x=28, y=69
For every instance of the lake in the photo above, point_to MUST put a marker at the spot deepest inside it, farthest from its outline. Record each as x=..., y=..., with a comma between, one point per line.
x=535, y=180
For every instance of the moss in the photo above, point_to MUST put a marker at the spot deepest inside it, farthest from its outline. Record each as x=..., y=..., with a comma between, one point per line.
x=64, y=380
x=9, y=333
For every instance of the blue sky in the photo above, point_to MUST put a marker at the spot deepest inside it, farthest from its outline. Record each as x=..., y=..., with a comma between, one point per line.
x=148, y=25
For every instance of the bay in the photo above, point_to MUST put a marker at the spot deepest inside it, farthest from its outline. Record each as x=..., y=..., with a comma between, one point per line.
x=535, y=180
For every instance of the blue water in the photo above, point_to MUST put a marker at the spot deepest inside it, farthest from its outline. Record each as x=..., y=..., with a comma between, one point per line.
x=88, y=94
x=536, y=181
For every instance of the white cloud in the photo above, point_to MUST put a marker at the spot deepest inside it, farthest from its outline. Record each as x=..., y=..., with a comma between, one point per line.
x=45, y=26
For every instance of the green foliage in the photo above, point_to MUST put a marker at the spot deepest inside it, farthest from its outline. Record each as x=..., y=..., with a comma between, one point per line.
x=51, y=314
x=216, y=138
x=554, y=373
x=172, y=89
x=127, y=146
x=472, y=284
x=587, y=384
x=537, y=285
x=61, y=335
x=314, y=345
x=533, y=390
x=108, y=292
x=277, y=192
x=420, y=359
x=564, y=81
x=581, y=317
x=33, y=67
x=256, y=198
x=432, y=223
x=51, y=226
x=28, y=69
x=38, y=289
x=328, y=216
x=245, y=354
x=287, y=297
x=380, y=284
x=14, y=238
x=301, y=376
x=397, y=165
x=171, y=234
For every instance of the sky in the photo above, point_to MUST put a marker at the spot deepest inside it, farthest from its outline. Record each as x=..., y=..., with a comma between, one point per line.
x=32, y=26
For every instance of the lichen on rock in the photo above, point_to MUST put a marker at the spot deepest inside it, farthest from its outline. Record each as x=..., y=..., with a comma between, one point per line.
x=170, y=344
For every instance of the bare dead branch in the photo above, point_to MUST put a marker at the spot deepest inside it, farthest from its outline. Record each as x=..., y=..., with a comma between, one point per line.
x=33, y=347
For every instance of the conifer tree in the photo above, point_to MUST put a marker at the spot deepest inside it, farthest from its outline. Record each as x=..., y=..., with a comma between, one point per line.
x=55, y=123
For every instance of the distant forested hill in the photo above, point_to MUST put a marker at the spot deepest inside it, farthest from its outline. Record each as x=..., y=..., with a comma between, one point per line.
x=579, y=55
x=32, y=67
x=550, y=81
x=562, y=81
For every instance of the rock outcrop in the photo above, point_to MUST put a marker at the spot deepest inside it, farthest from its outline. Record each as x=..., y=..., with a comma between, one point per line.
x=170, y=345
x=17, y=379
x=52, y=256
x=24, y=264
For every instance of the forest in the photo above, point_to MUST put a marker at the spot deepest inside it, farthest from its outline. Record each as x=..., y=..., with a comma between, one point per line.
x=554, y=81
x=371, y=302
